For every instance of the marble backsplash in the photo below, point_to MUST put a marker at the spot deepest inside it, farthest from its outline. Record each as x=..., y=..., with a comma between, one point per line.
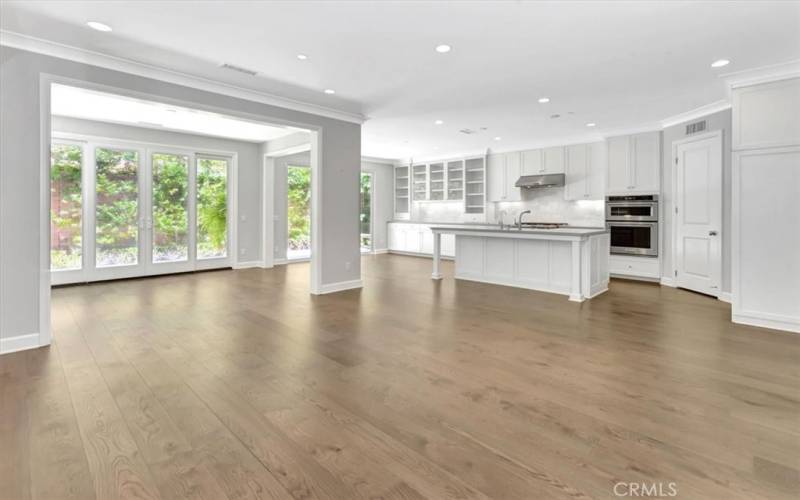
x=546, y=205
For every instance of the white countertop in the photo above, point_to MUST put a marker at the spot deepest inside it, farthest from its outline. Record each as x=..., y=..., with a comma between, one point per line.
x=512, y=232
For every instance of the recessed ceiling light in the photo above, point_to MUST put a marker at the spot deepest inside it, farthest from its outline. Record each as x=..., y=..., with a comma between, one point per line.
x=302, y=57
x=543, y=100
x=591, y=124
x=330, y=91
x=720, y=63
x=498, y=138
x=98, y=26
x=438, y=122
x=443, y=49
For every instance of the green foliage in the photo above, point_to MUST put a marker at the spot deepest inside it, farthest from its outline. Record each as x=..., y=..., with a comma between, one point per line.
x=117, y=206
x=212, y=207
x=299, y=207
x=170, y=206
x=65, y=205
x=366, y=202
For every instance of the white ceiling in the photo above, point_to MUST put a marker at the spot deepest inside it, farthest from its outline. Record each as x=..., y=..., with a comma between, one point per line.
x=618, y=64
x=100, y=106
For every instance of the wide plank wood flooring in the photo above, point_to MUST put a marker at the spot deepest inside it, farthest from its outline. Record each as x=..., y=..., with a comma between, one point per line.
x=240, y=385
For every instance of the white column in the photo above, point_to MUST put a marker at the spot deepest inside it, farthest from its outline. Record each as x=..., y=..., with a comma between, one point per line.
x=437, y=250
x=575, y=294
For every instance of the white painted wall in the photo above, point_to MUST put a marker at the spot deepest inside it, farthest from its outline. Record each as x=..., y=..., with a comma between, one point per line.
x=248, y=164
x=716, y=121
x=24, y=274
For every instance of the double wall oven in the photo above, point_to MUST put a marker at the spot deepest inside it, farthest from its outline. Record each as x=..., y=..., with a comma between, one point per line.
x=633, y=223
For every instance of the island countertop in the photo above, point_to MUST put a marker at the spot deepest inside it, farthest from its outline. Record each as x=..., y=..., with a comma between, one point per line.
x=512, y=232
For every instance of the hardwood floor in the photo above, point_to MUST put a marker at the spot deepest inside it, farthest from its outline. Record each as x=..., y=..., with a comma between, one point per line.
x=240, y=385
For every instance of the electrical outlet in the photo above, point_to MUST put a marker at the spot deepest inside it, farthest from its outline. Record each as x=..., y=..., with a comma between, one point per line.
x=244, y=218
x=347, y=266
x=243, y=251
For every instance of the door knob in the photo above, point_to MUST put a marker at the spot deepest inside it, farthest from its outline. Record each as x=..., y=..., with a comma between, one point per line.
x=712, y=233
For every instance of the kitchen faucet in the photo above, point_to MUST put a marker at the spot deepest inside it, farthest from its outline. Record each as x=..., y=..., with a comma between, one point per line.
x=519, y=220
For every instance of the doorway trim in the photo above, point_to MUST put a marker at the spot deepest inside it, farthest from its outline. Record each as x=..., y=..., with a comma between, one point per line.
x=46, y=80
x=714, y=134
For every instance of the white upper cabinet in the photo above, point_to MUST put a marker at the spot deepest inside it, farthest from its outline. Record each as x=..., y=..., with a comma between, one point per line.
x=619, y=164
x=767, y=115
x=503, y=172
x=553, y=160
x=513, y=169
x=496, y=177
x=532, y=162
x=646, y=161
x=634, y=163
x=585, y=171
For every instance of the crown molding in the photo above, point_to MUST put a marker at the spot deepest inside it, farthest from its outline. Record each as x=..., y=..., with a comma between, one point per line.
x=763, y=74
x=708, y=109
x=76, y=54
x=375, y=159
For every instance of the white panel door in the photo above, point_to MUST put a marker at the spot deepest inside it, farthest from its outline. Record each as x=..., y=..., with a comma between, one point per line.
x=699, y=219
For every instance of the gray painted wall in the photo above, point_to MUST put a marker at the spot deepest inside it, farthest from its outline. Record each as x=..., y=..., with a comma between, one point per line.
x=248, y=164
x=20, y=268
x=716, y=121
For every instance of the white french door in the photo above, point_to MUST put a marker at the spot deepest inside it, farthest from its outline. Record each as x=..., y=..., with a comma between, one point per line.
x=119, y=211
x=698, y=217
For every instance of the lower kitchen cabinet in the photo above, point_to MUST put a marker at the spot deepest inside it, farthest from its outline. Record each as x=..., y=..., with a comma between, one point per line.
x=417, y=239
x=634, y=266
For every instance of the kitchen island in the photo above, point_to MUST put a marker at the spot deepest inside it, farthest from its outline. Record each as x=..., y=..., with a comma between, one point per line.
x=569, y=261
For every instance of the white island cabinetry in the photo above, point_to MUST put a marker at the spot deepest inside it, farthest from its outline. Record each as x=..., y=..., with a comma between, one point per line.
x=569, y=261
x=417, y=239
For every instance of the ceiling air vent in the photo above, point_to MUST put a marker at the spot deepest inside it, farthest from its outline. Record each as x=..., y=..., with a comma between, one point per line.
x=467, y=131
x=240, y=69
x=695, y=127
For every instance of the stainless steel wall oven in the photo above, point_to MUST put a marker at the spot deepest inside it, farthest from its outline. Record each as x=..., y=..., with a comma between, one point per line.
x=633, y=224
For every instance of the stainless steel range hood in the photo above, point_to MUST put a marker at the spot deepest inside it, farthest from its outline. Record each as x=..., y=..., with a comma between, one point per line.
x=540, y=181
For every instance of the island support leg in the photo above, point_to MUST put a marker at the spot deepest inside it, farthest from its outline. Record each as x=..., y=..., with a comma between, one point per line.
x=437, y=250
x=575, y=294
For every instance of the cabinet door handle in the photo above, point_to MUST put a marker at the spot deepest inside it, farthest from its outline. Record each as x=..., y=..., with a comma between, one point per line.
x=712, y=233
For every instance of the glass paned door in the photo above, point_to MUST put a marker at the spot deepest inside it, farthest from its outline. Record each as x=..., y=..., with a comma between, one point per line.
x=123, y=210
x=365, y=213
x=170, y=192
x=213, y=232
x=298, y=212
x=66, y=211
x=118, y=218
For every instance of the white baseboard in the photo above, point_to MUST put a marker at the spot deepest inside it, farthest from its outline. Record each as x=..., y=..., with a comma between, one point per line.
x=380, y=250
x=785, y=324
x=340, y=286
x=669, y=282
x=249, y=264
x=19, y=343
x=279, y=262
x=725, y=297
